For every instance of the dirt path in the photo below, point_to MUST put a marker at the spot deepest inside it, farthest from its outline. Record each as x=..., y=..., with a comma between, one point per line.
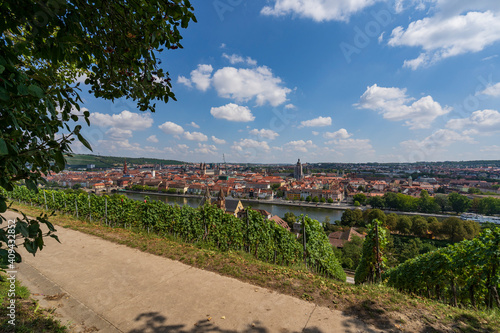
x=99, y=285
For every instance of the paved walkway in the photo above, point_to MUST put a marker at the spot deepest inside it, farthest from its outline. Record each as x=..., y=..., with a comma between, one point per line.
x=101, y=285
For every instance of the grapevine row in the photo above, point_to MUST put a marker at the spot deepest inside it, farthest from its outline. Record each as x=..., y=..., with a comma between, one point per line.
x=263, y=238
x=466, y=273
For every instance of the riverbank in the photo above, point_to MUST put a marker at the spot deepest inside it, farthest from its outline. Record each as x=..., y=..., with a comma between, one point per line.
x=280, y=202
x=287, y=203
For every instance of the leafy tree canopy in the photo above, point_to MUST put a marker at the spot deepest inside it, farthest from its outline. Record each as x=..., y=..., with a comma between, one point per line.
x=47, y=45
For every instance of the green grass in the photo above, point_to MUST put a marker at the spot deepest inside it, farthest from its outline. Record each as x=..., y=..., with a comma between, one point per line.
x=379, y=305
x=29, y=317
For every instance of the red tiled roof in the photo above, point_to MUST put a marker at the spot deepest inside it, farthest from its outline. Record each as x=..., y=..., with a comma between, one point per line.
x=338, y=238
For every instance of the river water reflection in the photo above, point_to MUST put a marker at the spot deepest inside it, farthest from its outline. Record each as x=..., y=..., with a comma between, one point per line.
x=316, y=213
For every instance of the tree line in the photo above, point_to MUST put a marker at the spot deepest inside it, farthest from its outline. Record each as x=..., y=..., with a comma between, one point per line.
x=452, y=228
x=426, y=204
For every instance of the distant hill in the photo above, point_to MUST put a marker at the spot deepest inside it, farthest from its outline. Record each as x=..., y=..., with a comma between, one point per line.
x=81, y=161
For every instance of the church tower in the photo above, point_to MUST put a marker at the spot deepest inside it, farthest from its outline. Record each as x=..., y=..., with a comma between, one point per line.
x=125, y=171
x=298, y=173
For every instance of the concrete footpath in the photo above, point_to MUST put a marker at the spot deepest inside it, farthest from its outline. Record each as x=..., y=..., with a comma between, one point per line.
x=101, y=286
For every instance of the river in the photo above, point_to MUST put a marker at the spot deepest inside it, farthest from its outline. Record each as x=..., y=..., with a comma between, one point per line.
x=316, y=213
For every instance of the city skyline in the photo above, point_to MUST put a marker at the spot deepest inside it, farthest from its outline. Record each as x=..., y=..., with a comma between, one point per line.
x=327, y=81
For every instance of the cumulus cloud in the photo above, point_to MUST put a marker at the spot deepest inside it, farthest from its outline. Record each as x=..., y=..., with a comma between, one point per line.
x=300, y=146
x=200, y=77
x=118, y=134
x=493, y=90
x=436, y=141
x=484, y=122
x=185, y=81
x=240, y=84
x=317, y=10
x=236, y=59
x=206, y=149
x=316, y=122
x=340, y=134
x=394, y=104
x=218, y=141
x=456, y=28
x=171, y=128
x=193, y=124
x=125, y=120
x=195, y=136
x=233, y=112
x=354, y=144
x=265, y=133
x=245, y=144
x=245, y=84
x=153, y=139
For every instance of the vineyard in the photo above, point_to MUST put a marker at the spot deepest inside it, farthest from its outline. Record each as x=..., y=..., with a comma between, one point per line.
x=466, y=273
x=208, y=224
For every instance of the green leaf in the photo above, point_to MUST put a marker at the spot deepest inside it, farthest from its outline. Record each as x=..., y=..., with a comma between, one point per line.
x=59, y=157
x=3, y=205
x=35, y=91
x=30, y=184
x=55, y=237
x=84, y=141
x=22, y=89
x=3, y=147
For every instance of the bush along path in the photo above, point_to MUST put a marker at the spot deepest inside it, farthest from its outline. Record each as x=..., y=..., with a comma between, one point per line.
x=208, y=224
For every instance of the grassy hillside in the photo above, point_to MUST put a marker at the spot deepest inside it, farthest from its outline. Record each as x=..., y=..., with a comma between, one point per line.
x=79, y=161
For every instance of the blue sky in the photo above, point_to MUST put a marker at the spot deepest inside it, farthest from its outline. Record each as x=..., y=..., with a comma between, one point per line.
x=271, y=81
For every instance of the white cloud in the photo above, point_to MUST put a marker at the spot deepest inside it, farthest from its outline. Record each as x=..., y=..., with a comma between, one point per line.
x=233, y=112
x=200, y=77
x=317, y=10
x=437, y=140
x=153, y=139
x=316, y=122
x=340, y=134
x=290, y=106
x=118, y=134
x=490, y=57
x=171, y=128
x=81, y=78
x=315, y=133
x=245, y=144
x=450, y=32
x=184, y=80
x=300, y=146
x=218, y=141
x=394, y=104
x=265, y=133
x=353, y=144
x=240, y=84
x=245, y=84
x=479, y=122
x=125, y=120
x=195, y=136
x=206, y=149
x=236, y=59
x=381, y=37
x=491, y=149
x=193, y=124
x=493, y=90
